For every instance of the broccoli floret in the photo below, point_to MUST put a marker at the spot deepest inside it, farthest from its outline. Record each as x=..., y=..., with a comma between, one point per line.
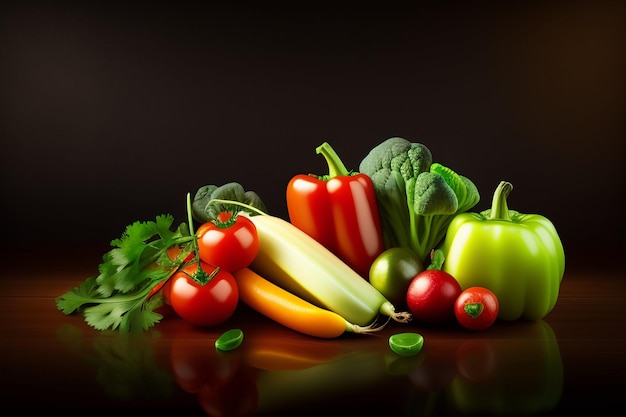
x=417, y=198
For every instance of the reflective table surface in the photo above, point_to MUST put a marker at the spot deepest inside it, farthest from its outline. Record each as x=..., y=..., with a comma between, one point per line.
x=571, y=360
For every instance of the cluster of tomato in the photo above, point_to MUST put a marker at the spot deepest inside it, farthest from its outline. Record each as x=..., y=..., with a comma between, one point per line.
x=435, y=296
x=224, y=246
x=431, y=295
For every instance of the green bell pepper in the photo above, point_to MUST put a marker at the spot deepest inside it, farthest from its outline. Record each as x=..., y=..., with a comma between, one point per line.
x=519, y=257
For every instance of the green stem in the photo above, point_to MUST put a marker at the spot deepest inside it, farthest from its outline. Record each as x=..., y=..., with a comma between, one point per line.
x=237, y=203
x=499, y=208
x=437, y=259
x=141, y=295
x=474, y=310
x=191, y=231
x=200, y=276
x=335, y=165
x=159, y=252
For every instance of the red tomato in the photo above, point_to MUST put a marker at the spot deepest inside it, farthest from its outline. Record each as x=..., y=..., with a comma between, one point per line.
x=190, y=364
x=476, y=360
x=438, y=369
x=196, y=363
x=476, y=308
x=239, y=397
x=230, y=242
x=204, y=305
x=431, y=296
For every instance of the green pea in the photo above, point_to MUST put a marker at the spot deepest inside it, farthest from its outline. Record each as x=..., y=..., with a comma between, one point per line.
x=406, y=344
x=229, y=340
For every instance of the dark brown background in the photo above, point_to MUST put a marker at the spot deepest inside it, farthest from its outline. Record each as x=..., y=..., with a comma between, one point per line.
x=112, y=114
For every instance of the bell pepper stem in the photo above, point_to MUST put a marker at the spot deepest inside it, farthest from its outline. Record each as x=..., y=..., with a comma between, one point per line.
x=499, y=207
x=335, y=166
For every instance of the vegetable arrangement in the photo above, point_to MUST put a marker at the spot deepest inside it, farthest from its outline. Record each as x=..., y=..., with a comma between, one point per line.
x=394, y=241
x=139, y=275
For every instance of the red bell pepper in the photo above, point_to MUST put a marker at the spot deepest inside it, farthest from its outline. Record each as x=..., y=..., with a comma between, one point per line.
x=339, y=210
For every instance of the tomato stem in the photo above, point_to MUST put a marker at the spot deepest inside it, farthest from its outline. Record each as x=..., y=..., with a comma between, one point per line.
x=201, y=277
x=474, y=310
x=225, y=219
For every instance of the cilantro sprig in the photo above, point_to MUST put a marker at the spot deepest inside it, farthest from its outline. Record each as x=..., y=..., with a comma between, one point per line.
x=118, y=298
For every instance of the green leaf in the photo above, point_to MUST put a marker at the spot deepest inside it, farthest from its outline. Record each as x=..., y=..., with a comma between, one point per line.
x=74, y=299
x=452, y=179
x=117, y=298
x=124, y=313
x=141, y=245
x=204, y=209
x=163, y=225
x=107, y=315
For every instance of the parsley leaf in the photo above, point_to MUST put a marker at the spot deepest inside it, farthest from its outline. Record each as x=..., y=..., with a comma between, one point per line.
x=73, y=300
x=117, y=298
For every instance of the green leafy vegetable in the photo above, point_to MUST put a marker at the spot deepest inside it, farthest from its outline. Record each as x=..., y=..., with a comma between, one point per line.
x=417, y=198
x=119, y=297
x=206, y=208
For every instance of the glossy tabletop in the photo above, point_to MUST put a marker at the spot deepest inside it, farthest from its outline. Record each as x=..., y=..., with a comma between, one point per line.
x=571, y=360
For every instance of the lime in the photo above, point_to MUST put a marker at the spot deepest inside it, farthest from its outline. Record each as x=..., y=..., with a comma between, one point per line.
x=229, y=340
x=406, y=344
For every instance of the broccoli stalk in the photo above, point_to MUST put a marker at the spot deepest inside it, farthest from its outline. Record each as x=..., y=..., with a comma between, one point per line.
x=417, y=198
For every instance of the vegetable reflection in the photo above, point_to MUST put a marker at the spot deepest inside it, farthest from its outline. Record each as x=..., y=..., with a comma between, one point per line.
x=224, y=386
x=127, y=365
x=277, y=349
x=127, y=369
x=517, y=375
x=512, y=368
